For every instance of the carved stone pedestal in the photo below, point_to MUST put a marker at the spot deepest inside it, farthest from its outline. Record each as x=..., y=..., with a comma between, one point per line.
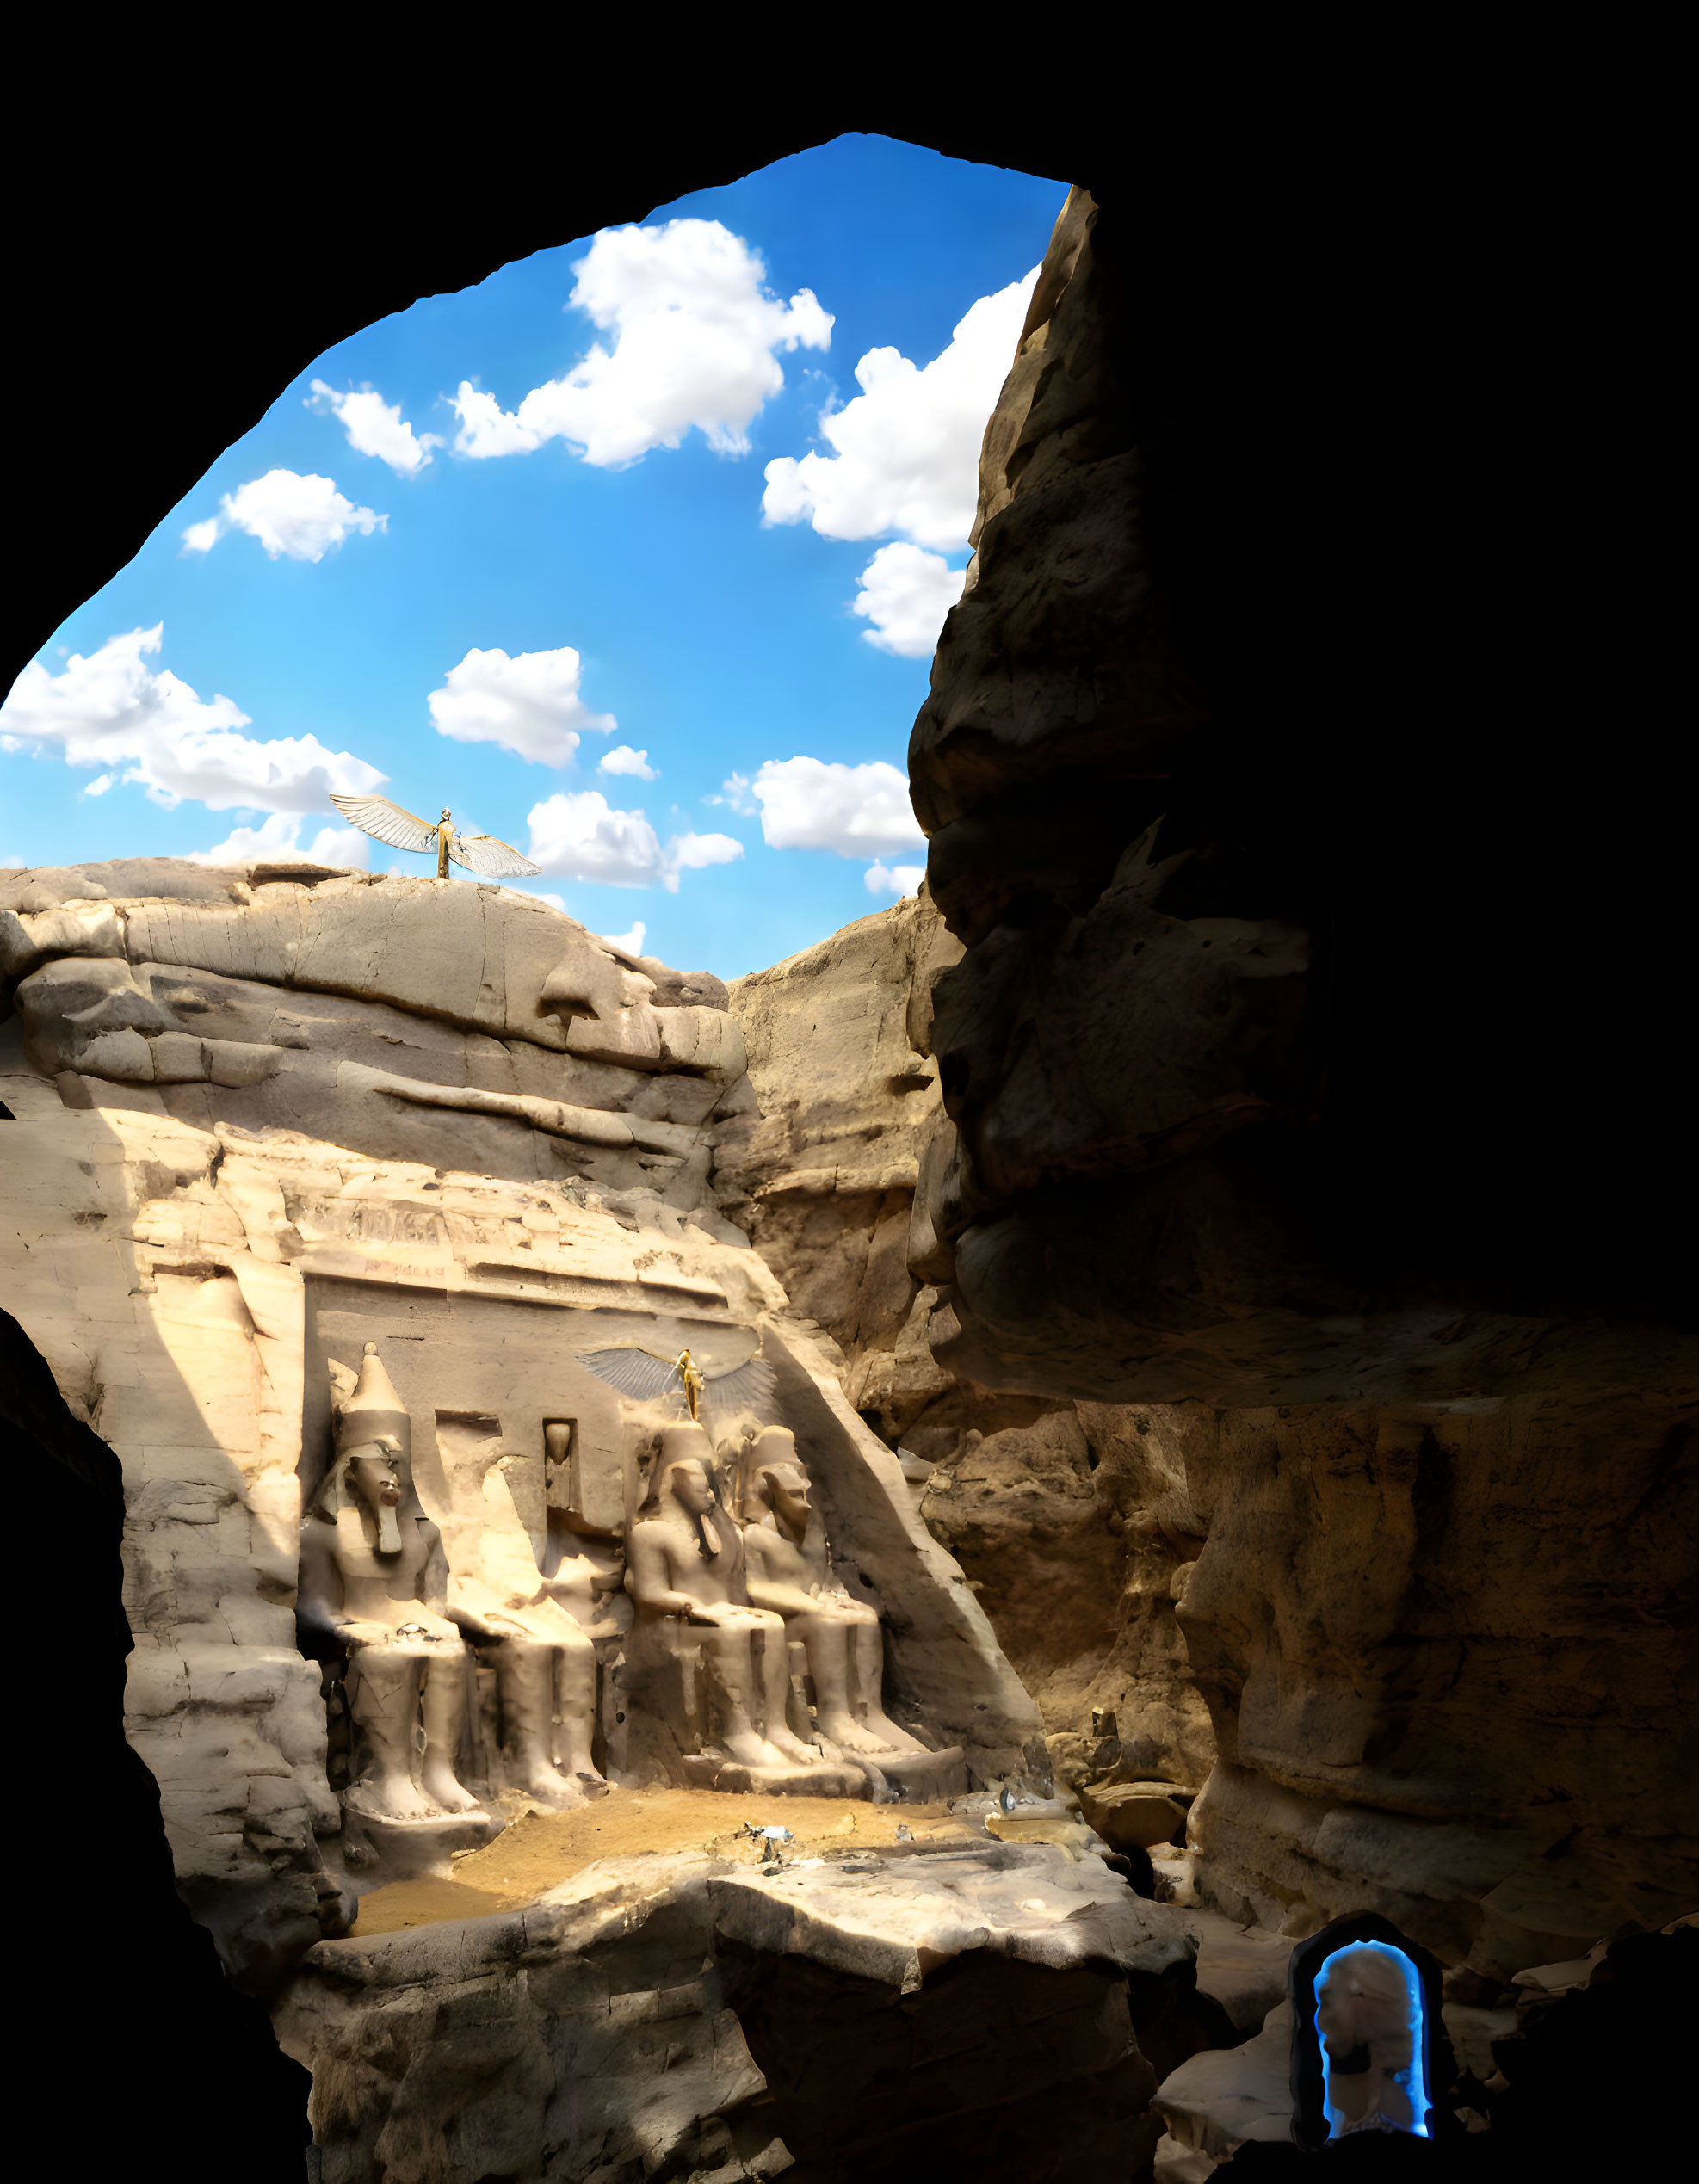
x=923, y=1778
x=411, y=1849
x=710, y=1770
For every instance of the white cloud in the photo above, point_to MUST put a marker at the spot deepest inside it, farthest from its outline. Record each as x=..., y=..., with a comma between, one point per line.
x=529, y=704
x=632, y=942
x=488, y=429
x=304, y=516
x=694, y=333
x=906, y=449
x=375, y=427
x=906, y=593
x=734, y=791
x=99, y=785
x=576, y=835
x=894, y=879
x=110, y=709
x=807, y=803
x=279, y=837
x=696, y=852
x=622, y=759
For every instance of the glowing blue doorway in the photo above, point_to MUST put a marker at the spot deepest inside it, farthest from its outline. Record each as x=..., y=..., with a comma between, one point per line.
x=1371, y=2023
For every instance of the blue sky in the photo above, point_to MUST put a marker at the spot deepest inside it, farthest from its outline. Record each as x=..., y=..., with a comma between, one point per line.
x=456, y=579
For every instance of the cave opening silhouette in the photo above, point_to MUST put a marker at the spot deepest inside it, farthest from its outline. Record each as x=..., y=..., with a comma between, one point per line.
x=1359, y=355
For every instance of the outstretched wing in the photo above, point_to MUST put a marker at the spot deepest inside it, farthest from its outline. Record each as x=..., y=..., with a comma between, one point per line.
x=386, y=821
x=752, y=1385
x=636, y=1372
x=491, y=858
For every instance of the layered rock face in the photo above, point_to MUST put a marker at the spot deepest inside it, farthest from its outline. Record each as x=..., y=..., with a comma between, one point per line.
x=465, y=1024
x=1072, y=1520
x=1444, y=1467
x=1447, y=1655
x=822, y=1167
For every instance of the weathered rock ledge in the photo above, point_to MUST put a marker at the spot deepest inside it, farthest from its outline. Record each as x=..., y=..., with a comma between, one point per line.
x=681, y=2015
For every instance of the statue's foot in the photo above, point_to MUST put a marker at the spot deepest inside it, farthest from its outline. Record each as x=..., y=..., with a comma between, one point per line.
x=791, y=1746
x=392, y=1796
x=439, y=1783
x=549, y=1786
x=890, y=1737
x=853, y=1736
x=750, y=1750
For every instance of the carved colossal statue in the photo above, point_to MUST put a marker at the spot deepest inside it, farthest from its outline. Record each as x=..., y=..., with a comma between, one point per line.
x=544, y=1661
x=584, y=1554
x=373, y=1574
x=683, y=1572
x=788, y=1573
x=584, y=1563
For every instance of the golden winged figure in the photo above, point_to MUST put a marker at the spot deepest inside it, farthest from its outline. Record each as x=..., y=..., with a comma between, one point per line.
x=484, y=853
x=644, y=1374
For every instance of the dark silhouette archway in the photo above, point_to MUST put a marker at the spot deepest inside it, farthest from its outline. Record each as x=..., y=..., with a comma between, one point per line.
x=1363, y=331
x=1379, y=345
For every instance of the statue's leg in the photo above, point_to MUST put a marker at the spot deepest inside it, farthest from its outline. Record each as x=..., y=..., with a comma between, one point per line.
x=828, y=1664
x=869, y=1652
x=444, y=1716
x=525, y=1674
x=382, y=1684
x=828, y=1639
x=575, y=1690
x=774, y=1641
x=733, y=1672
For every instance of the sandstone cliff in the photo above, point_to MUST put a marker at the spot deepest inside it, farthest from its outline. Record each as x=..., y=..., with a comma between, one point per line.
x=1440, y=1647
x=1071, y=1519
x=1437, y=1424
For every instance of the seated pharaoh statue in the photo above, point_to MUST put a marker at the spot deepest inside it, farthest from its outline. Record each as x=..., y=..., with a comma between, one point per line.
x=543, y=1658
x=373, y=1577
x=788, y=1572
x=683, y=1571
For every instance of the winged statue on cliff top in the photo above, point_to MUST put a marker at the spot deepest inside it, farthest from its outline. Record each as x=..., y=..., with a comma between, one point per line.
x=484, y=853
x=645, y=1374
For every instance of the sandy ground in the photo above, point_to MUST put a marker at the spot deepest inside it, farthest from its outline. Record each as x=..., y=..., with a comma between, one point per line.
x=542, y=1849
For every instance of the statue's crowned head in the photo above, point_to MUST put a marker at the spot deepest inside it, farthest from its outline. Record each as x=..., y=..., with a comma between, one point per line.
x=372, y=1469
x=374, y=1409
x=683, y=1482
x=774, y=1481
x=681, y=1442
